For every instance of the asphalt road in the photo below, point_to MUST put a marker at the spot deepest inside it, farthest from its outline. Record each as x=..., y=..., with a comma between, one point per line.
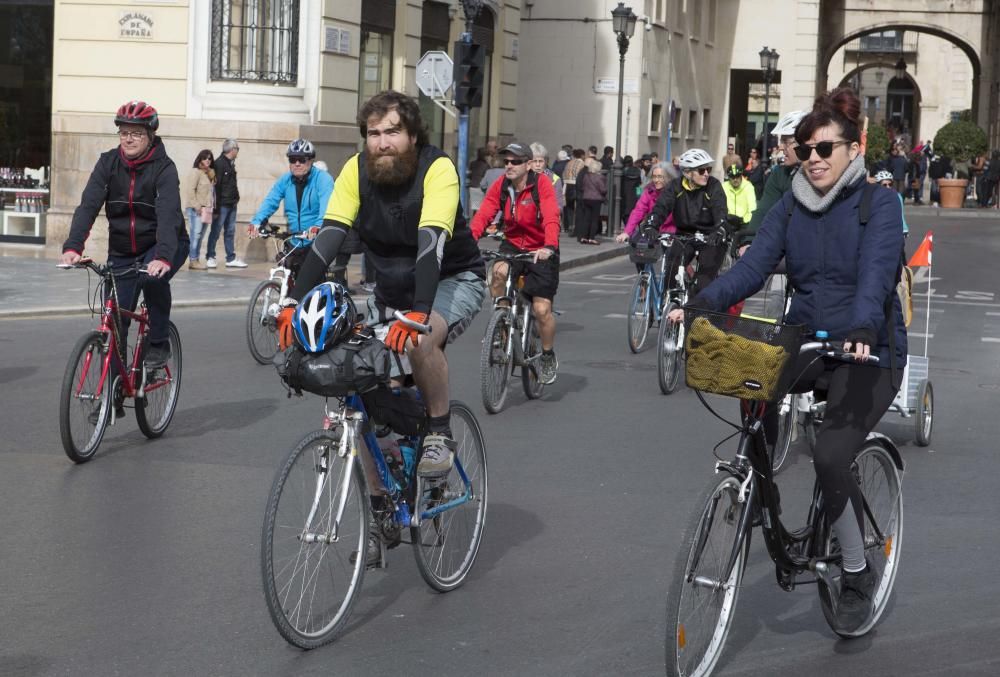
x=145, y=561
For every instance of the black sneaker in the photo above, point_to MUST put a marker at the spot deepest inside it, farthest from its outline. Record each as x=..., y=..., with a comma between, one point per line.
x=373, y=552
x=157, y=355
x=856, y=602
x=548, y=368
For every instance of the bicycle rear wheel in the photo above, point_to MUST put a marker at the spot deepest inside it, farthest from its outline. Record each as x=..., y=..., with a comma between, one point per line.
x=310, y=582
x=669, y=351
x=495, y=364
x=638, y=314
x=787, y=416
x=446, y=545
x=703, y=590
x=533, y=387
x=156, y=407
x=84, y=411
x=262, y=327
x=881, y=486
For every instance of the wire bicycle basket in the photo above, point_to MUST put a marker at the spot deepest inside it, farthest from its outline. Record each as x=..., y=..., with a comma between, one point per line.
x=739, y=357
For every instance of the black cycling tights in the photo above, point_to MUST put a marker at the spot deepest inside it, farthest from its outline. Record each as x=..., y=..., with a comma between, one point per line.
x=857, y=395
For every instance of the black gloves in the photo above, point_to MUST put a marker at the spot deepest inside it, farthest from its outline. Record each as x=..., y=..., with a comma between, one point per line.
x=863, y=336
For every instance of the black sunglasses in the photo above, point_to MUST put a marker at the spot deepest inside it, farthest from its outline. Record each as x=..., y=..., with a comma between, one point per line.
x=298, y=160
x=824, y=149
x=512, y=161
x=703, y=170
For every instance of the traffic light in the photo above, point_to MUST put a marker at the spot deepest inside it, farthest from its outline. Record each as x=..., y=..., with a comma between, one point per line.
x=470, y=66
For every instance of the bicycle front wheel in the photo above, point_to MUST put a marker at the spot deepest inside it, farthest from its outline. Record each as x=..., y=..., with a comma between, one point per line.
x=533, y=387
x=84, y=403
x=447, y=543
x=262, y=326
x=638, y=314
x=669, y=350
x=704, y=589
x=310, y=580
x=155, y=409
x=495, y=360
x=881, y=487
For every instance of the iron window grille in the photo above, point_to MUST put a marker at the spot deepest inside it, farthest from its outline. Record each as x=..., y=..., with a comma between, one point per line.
x=255, y=40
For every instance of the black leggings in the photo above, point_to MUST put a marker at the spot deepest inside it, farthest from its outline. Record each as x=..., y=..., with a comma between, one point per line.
x=857, y=395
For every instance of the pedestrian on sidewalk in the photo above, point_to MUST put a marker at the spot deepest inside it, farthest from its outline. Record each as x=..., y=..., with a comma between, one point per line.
x=592, y=187
x=570, y=173
x=198, y=201
x=227, y=196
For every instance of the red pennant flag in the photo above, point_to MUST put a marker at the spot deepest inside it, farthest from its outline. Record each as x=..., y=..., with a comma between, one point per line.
x=922, y=257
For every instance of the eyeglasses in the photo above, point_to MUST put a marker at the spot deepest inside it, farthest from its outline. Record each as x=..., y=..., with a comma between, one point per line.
x=702, y=171
x=125, y=134
x=824, y=149
x=298, y=160
x=512, y=161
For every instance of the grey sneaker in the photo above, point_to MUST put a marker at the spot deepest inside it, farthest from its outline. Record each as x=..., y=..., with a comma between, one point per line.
x=437, y=457
x=548, y=368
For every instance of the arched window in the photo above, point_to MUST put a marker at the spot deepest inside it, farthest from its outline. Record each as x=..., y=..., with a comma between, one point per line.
x=255, y=40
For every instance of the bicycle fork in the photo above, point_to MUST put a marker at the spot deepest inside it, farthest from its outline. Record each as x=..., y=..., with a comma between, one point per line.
x=345, y=450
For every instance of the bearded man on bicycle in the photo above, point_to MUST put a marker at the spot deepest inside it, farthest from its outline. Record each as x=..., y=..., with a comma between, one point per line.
x=401, y=194
x=530, y=215
x=306, y=191
x=137, y=185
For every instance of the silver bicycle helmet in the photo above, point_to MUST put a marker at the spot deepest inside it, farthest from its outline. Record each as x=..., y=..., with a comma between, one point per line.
x=788, y=123
x=883, y=175
x=300, y=148
x=694, y=158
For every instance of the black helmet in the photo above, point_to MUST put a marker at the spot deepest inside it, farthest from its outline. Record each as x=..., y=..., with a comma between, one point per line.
x=733, y=171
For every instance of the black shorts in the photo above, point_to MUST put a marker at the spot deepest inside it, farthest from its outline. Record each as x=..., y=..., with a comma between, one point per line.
x=540, y=279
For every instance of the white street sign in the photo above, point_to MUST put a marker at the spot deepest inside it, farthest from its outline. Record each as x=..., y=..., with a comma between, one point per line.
x=434, y=73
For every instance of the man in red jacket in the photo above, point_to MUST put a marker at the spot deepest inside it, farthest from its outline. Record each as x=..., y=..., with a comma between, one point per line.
x=531, y=224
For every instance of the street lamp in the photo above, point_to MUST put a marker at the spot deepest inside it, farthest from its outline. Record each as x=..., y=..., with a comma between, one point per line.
x=769, y=65
x=623, y=23
x=901, y=68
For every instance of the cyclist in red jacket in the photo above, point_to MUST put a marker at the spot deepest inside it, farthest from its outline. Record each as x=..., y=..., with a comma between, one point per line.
x=531, y=224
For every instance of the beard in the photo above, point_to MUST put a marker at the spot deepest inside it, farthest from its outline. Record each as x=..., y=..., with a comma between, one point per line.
x=392, y=169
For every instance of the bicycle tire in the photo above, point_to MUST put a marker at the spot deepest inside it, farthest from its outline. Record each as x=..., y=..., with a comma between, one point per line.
x=884, y=499
x=155, y=409
x=924, y=418
x=495, y=363
x=446, y=545
x=80, y=435
x=669, y=352
x=787, y=416
x=705, y=555
x=638, y=314
x=262, y=329
x=289, y=577
x=533, y=387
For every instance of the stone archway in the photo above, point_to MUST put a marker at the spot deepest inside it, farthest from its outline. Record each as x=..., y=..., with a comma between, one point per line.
x=895, y=95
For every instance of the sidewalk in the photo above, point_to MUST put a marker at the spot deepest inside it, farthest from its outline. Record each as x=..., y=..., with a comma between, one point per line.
x=34, y=286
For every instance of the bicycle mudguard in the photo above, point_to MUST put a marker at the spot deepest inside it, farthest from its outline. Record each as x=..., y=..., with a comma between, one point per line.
x=890, y=446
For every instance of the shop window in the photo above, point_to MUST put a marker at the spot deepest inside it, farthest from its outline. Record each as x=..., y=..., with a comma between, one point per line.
x=376, y=64
x=655, y=118
x=255, y=40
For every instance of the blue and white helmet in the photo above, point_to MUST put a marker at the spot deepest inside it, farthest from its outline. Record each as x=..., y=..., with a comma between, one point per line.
x=883, y=175
x=325, y=315
x=300, y=148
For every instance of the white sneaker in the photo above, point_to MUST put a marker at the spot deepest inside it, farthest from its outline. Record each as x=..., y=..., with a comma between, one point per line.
x=236, y=263
x=210, y=263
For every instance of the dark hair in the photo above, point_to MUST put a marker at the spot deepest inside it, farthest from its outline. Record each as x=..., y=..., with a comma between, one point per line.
x=579, y=153
x=201, y=156
x=627, y=161
x=608, y=150
x=592, y=149
x=409, y=114
x=482, y=154
x=840, y=106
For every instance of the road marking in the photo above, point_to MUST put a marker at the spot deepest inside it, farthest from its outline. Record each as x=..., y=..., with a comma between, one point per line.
x=609, y=276
x=960, y=303
x=974, y=295
x=607, y=291
x=917, y=334
x=594, y=284
x=990, y=339
x=988, y=312
x=616, y=316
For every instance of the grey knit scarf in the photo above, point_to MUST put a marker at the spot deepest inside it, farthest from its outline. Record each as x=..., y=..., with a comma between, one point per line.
x=812, y=200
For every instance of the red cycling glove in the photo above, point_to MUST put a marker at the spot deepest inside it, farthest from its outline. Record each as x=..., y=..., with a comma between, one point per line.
x=285, y=327
x=399, y=332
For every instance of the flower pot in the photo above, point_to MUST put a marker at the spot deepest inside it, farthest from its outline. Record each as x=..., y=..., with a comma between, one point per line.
x=952, y=192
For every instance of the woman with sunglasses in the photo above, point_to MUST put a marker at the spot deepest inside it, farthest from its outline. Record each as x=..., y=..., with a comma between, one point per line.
x=659, y=175
x=198, y=200
x=697, y=202
x=844, y=273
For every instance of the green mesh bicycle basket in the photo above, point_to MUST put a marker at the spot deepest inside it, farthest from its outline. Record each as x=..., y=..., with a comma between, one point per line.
x=738, y=356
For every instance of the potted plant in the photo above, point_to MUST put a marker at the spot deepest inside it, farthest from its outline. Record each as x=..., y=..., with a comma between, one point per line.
x=961, y=141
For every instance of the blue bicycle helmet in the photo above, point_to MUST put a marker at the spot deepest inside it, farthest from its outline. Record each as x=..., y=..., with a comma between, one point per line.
x=325, y=315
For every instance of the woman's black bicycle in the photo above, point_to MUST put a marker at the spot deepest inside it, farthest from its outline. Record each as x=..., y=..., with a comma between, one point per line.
x=709, y=569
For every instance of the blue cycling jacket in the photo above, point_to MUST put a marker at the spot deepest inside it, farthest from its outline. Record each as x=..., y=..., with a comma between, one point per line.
x=319, y=187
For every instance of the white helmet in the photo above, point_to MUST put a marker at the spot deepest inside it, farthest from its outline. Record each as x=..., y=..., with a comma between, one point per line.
x=883, y=176
x=694, y=158
x=786, y=125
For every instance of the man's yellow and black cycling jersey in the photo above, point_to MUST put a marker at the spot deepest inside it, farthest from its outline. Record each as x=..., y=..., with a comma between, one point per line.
x=388, y=217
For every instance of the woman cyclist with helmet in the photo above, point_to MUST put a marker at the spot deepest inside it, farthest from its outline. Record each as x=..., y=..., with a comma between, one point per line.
x=305, y=190
x=698, y=204
x=884, y=179
x=844, y=272
x=138, y=186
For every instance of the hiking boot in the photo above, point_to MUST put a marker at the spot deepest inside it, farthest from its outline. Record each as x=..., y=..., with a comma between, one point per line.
x=856, y=603
x=196, y=264
x=373, y=552
x=437, y=456
x=548, y=368
x=157, y=355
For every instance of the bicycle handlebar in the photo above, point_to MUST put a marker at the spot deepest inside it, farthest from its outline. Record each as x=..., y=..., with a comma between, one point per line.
x=412, y=324
x=826, y=349
x=491, y=255
x=103, y=270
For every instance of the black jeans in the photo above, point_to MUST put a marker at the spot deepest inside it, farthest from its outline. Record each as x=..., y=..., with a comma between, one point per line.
x=588, y=219
x=156, y=290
